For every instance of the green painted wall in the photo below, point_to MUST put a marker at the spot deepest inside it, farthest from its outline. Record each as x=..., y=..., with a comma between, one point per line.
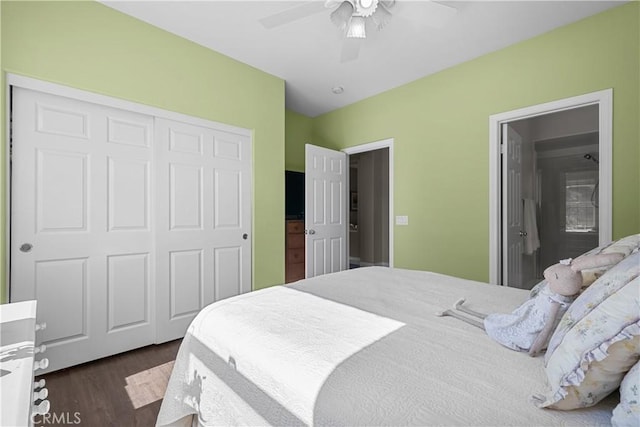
x=92, y=47
x=298, y=131
x=440, y=126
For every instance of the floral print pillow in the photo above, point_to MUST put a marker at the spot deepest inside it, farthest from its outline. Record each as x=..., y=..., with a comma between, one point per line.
x=627, y=413
x=597, y=341
x=594, y=295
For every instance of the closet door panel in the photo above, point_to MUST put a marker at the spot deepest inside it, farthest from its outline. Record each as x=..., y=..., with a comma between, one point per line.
x=204, y=221
x=185, y=196
x=61, y=191
x=185, y=282
x=128, y=290
x=123, y=225
x=129, y=132
x=81, y=224
x=62, y=286
x=227, y=272
x=227, y=199
x=129, y=194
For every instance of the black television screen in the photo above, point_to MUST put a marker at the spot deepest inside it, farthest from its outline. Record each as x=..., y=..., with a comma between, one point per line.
x=294, y=194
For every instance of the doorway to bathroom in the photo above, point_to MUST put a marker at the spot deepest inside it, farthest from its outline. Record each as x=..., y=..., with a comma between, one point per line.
x=553, y=174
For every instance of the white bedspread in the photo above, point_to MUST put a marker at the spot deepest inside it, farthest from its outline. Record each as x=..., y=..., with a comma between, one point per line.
x=361, y=347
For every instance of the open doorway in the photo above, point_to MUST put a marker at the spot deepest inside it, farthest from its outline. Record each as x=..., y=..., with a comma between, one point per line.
x=552, y=189
x=550, y=185
x=369, y=208
x=328, y=206
x=370, y=204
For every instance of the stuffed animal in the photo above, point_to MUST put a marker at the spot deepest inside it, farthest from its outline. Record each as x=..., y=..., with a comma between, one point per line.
x=528, y=327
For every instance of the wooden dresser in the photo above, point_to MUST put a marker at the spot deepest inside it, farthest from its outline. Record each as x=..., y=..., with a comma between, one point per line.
x=294, y=250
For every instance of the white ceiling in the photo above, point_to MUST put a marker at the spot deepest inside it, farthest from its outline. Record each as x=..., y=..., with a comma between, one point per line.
x=306, y=53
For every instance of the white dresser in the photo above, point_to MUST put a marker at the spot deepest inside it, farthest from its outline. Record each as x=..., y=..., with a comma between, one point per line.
x=20, y=398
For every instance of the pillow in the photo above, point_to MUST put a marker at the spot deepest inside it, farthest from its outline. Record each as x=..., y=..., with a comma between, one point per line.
x=627, y=413
x=615, y=279
x=623, y=246
x=596, y=341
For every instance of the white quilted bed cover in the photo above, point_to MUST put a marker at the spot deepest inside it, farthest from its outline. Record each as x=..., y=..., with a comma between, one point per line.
x=360, y=347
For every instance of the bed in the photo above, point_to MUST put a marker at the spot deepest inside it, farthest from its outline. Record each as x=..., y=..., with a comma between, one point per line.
x=359, y=347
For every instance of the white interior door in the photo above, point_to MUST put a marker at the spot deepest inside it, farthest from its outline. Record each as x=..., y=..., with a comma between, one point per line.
x=325, y=210
x=81, y=224
x=513, y=232
x=204, y=221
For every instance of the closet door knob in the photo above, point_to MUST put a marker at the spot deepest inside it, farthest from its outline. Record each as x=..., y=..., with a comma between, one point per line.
x=245, y=236
x=26, y=247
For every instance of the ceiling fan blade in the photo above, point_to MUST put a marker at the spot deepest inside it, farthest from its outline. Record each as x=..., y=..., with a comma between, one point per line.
x=350, y=49
x=293, y=14
x=341, y=16
x=381, y=17
x=428, y=13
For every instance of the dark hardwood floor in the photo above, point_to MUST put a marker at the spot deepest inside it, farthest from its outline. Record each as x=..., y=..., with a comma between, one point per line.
x=94, y=393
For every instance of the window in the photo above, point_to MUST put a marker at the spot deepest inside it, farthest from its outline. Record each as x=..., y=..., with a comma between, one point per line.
x=581, y=195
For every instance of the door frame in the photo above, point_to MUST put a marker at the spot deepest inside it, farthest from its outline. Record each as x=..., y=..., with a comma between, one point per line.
x=108, y=101
x=604, y=99
x=372, y=146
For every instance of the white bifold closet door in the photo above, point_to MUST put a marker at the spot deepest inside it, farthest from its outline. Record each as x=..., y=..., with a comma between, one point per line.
x=81, y=235
x=123, y=225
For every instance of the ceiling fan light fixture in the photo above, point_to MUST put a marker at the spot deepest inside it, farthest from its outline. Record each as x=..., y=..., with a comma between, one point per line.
x=356, y=28
x=341, y=16
x=366, y=7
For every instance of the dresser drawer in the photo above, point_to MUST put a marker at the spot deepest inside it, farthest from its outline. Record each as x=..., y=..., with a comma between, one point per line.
x=294, y=272
x=295, y=227
x=295, y=255
x=295, y=241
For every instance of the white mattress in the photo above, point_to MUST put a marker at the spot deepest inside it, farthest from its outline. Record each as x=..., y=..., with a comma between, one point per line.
x=360, y=347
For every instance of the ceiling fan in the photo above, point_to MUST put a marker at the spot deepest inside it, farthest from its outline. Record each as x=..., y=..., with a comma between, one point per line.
x=355, y=17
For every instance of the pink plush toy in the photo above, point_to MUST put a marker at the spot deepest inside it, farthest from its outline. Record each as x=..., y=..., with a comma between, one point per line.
x=529, y=327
